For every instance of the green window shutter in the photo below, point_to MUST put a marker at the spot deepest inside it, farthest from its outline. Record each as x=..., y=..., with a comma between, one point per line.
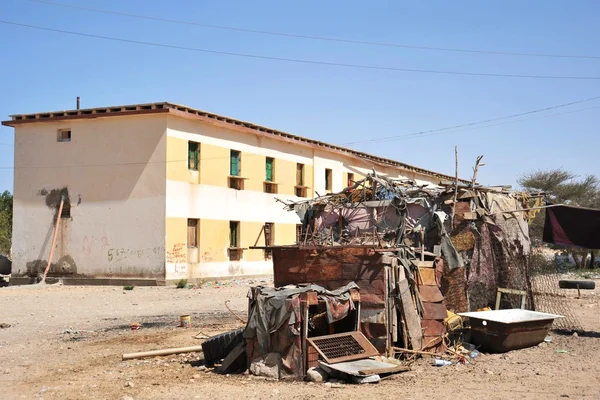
x=235, y=163
x=269, y=170
x=193, y=155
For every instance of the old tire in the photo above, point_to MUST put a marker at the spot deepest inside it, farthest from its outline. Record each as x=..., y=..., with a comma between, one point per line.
x=5, y=265
x=218, y=347
x=568, y=284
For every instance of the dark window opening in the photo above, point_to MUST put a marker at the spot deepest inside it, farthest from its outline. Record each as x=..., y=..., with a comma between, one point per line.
x=299, y=174
x=64, y=135
x=269, y=239
x=235, y=252
x=328, y=174
x=350, y=179
x=234, y=234
x=193, y=153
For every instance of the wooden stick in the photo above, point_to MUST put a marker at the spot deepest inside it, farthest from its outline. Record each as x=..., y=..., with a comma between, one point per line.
x=476, y=169
x=427, y=353
x=231, y=311
x=455, y=189
x=62, y=203
x=164, y=352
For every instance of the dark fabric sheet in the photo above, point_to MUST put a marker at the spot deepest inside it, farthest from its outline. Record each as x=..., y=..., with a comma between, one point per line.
x=572, y=226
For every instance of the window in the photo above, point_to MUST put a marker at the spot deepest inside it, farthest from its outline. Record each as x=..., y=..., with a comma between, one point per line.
x=299, y=238
x=193, y=151
x=269, y=164
x=234, y=241
x=235, y=167
x=299, y=174
x=269, y=239
x=350, y=181
x=300, y=188
x=235, y=163
x=234, y=234
x=327, y=179
x=192, y=233
x=64, y=135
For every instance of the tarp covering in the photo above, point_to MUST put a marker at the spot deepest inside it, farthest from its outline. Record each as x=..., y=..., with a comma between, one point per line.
x=272, y=310
x=572, y=226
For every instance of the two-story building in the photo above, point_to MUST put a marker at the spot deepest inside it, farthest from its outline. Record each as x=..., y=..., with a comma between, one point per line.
x=162, y=191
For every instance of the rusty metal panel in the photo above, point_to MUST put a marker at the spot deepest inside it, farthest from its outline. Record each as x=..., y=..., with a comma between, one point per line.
x=427, y=276
x=343, y=347
x=434, y=311
x=433, y=327
x=430, y=293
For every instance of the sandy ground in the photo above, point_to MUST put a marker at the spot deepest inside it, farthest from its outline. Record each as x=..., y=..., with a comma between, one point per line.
x=66, y=342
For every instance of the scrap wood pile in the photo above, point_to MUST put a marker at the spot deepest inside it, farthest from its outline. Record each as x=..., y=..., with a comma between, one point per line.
x=447, y=249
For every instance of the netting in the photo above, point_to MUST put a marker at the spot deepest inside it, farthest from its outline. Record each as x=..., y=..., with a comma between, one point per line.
x=547, y=296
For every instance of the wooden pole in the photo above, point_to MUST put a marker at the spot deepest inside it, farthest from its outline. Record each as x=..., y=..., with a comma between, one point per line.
x=60, y=208
x=455, y=188
x=163, y=352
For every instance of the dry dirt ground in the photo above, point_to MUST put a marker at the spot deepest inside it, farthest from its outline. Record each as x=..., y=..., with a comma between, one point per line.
x=66, y=342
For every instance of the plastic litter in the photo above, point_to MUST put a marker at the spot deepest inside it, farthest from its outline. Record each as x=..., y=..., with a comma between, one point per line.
x=442, y=363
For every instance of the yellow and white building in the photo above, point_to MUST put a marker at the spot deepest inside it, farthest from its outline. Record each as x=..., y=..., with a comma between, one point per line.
x=163, y=192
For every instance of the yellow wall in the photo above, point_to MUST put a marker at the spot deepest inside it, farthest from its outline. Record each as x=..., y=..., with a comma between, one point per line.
x=176, y=248
x=214, y=165
x=214, y=240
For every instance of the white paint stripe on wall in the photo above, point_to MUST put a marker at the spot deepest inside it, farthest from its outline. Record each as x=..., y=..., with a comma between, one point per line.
x=227, y=269
x=186, y=200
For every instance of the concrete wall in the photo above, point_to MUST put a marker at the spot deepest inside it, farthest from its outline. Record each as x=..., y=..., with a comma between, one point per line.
x=114, y=172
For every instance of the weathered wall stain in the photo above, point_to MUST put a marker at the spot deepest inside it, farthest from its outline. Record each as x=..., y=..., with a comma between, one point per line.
x=64, y=266
x=53, y=199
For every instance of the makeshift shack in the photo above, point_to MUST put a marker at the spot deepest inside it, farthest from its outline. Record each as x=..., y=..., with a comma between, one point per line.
x=415, y=252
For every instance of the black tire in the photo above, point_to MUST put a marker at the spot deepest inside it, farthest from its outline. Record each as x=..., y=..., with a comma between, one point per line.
x=5, y=265
x=217, y=347
x=586, y=285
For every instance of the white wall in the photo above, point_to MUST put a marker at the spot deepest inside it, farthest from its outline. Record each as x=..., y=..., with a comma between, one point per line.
x=115, y=174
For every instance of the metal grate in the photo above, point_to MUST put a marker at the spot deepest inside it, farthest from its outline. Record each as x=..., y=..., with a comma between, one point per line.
x=343, y=347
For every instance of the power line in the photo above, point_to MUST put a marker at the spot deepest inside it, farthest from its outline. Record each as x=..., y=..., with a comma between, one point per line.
x=300, y=61
x=388, y=138
x=312, y=37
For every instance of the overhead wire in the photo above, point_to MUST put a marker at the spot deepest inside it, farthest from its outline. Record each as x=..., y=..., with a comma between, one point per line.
x=301, y=61
x=246, y=155
x=314, y=37
x=539, y=110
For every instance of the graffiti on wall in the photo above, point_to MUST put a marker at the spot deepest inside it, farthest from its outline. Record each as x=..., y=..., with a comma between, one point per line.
x=93, y=243
x=120, y=254
x=177, y=271
x=178, y=254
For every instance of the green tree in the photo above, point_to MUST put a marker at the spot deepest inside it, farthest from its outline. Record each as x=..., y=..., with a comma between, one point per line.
x=6, y=214
x=562, y=187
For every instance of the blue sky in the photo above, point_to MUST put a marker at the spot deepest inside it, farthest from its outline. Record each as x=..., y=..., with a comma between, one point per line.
x=45, y=71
